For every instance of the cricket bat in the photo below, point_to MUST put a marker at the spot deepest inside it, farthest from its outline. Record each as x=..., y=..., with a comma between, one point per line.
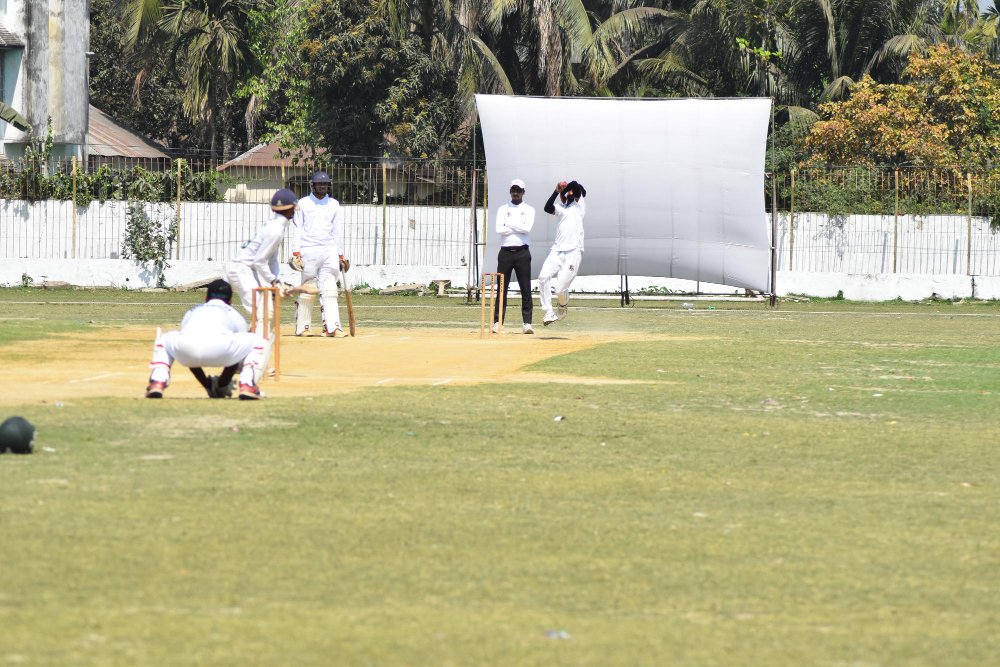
x=351, y=322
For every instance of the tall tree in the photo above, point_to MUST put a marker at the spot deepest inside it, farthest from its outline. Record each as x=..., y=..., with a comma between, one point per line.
x=945, y=113
x=208, y=41
x=159, y=115
x=501, y=46
x=370, y=89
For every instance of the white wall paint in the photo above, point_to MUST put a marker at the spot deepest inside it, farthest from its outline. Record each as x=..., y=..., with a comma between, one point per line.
x=126, y=274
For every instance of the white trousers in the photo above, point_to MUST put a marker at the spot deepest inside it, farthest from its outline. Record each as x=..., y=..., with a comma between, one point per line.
x=196, y=350
x=560, y=267
x=322, y=264
x=244, y=281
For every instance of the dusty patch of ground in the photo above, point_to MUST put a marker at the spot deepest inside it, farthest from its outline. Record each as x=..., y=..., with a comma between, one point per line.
x=114, y=363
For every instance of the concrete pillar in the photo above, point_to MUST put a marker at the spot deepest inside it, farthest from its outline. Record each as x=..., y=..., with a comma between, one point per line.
x=55, y=68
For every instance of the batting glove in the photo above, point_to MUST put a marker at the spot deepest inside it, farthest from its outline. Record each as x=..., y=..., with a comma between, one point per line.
x=296, y=262
x=345, y=264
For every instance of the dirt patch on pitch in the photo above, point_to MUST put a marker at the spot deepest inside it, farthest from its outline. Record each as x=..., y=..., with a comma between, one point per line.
x=115, y=363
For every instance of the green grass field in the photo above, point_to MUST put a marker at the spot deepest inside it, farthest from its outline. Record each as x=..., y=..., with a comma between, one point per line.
x=815, y=485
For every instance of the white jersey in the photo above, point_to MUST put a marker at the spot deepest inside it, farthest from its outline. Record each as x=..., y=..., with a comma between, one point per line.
x=569, y=229
x=261, y=252
x=213, y=318
x=514, y=223
x=318, y=223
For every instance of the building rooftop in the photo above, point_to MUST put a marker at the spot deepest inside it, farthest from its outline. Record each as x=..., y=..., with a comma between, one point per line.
x=107, y=138
x=261, y=155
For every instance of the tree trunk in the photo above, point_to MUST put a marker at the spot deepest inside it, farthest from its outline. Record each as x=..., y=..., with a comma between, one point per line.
x=225, y=116
x=550, y=51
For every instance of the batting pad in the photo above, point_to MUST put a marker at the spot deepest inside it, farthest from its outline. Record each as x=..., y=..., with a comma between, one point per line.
x=675, y=188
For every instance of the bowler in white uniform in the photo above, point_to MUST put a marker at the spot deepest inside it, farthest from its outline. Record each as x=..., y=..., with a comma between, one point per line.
x=563, y=262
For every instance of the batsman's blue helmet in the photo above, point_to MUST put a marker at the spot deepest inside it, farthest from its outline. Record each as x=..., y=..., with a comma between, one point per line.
x=18, y=435
x=283, y=200
x=321, y=177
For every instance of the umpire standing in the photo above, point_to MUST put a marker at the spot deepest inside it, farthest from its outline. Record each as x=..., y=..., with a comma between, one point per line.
x=514, y=222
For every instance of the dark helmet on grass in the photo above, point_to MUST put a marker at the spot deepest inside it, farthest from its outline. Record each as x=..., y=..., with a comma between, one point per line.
x=18, y=435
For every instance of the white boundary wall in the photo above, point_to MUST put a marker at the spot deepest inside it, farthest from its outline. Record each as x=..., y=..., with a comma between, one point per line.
x=853, y=254
x=869, y=244
x=126, y=274
x=411, y=235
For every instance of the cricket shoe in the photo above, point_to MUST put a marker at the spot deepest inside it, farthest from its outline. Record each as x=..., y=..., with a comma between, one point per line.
x=562, y=304
x=496, y=327
x=304, y=332
x=155, y=389
x=250, y=392
x=528, y=329
x=549, y=319
x=336, y=333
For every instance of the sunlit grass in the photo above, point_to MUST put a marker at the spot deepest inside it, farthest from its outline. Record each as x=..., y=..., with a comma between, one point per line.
x=774, y=488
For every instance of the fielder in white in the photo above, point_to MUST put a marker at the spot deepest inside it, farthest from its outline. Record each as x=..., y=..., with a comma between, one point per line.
x=564, y=258
x=255, y=264
x=212, y=334
x=318, y=252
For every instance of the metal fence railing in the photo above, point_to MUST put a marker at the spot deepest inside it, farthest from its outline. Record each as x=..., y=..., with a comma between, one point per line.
x=419, y=212
x=863, y=220
x=403, y=212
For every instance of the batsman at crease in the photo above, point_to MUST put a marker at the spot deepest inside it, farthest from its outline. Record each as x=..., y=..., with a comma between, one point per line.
x=318, y=252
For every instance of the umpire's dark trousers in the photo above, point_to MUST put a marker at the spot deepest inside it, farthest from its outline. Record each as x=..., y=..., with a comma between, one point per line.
x=515, y=260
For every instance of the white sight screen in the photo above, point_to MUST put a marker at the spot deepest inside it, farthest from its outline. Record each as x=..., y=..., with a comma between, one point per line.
x=675, y=188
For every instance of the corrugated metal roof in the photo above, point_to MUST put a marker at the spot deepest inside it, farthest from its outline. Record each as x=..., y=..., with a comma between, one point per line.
x=107, y=138
x=9, y=39
x=261, y=155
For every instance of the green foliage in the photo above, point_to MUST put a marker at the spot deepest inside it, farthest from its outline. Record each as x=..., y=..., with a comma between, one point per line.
x=371, y=90
x=376, y=76
x=201, y=47
x=986, y=198
x=419, y=111
x=276, y=94
x=945, y=114
x=148, y=239
x=156, y=112
x=204, y=185
x=864, y=190
x=105, y=183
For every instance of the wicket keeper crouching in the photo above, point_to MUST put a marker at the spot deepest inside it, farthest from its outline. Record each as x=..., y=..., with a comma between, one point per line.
x=212, y=334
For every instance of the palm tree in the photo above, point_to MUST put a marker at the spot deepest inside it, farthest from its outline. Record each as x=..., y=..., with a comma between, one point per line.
x=728, y=48
x=501, y=46
x=207, y=41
